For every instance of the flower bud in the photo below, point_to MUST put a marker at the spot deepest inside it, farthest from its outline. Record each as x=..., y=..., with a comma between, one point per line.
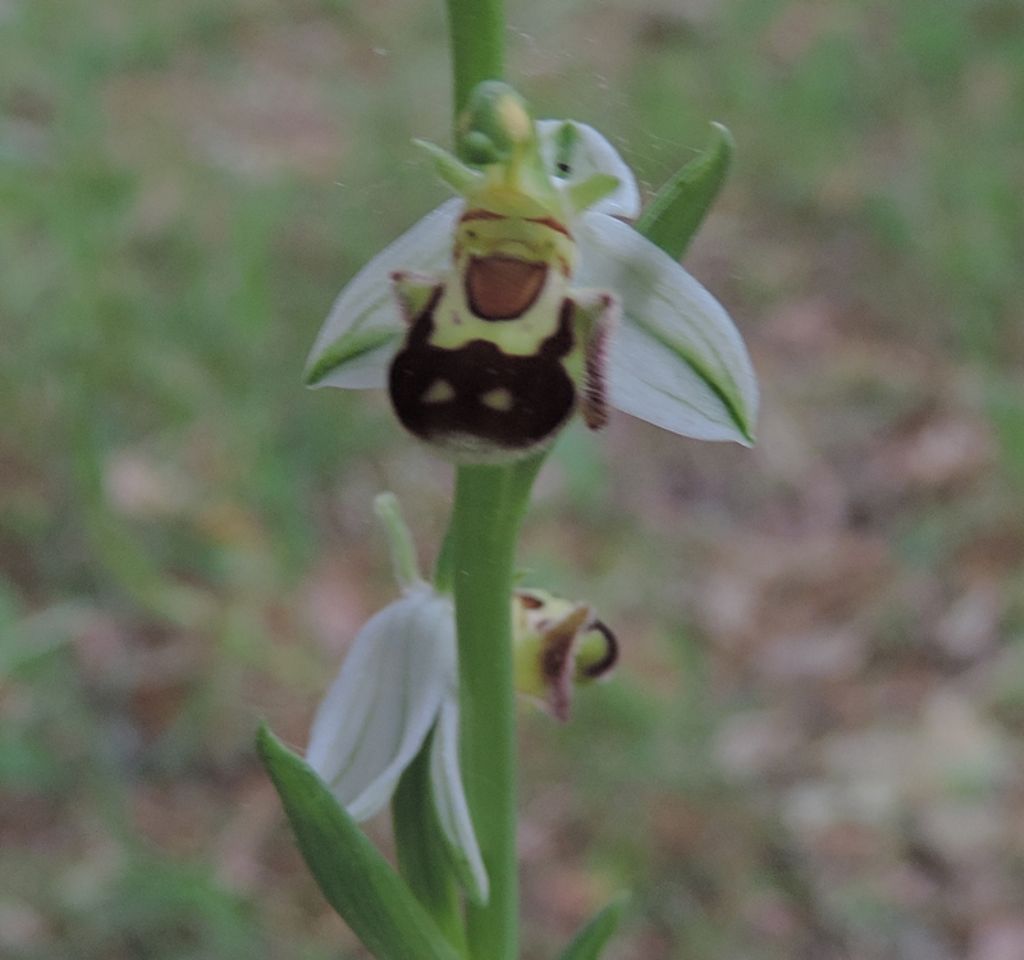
x=495, y=125
x=558, y=642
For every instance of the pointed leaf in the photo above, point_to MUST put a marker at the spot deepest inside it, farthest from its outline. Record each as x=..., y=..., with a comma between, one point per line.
x=353, y=876
x=576, y=158
x=674, y=215
x=594, y=937
x=452, y=807
x=676, y=359
x=422, y=854
x=357, y=340
x=384, y=701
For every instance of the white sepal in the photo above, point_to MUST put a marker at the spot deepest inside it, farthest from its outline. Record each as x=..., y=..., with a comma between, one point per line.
x=365, y=323
x=384, y=701
x=676, y=359
x=592, y=154
x=452, y=807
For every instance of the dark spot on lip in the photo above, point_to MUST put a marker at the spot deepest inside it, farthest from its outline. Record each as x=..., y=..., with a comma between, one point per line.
x=480, y=214
x=529, y=601
x=611, y=654
x=503, y=288
x=551, y=223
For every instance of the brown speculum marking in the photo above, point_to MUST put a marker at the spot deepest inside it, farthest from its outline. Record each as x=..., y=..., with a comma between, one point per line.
x=502, y=288
x=529, y=601
x=541, y=395
x=556, y=660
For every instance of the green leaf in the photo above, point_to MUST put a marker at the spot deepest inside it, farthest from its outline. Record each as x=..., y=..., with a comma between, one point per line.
x=356, y=880
x=673, y=216
x=422, y=857
x=594, y=937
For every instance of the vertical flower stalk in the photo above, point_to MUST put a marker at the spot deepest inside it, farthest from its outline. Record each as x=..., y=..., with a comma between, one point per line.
x=489, y=505
x=477, y=30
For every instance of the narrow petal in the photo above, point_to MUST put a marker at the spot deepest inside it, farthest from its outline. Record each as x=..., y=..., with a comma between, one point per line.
x=358, y=338
x=676, y=359
x=590, y=153
x=384, y=701
x=452, y=808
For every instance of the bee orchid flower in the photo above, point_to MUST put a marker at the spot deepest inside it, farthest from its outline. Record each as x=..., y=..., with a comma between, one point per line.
x=398, y=686
x=529, y=297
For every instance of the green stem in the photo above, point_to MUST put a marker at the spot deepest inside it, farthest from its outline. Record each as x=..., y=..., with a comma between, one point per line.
x=444, y=568
x=479, y=556
x=477, y=30
x=489, y=505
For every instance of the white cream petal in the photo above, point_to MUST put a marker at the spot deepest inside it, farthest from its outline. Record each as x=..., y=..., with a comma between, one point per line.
x=358, y=338
x=451, y=805
x=384, y=701
x=593, y=154
x=676, y=359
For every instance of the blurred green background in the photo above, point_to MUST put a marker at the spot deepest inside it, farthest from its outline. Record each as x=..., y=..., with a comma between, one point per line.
x=813, y=748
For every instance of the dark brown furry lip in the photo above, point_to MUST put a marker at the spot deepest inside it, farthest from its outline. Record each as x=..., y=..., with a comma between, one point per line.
x=503, y=288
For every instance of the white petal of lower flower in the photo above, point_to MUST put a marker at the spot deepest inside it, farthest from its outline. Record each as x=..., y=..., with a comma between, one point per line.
x=592, y=154
x=677, y=360
x=384, y=701
x=452, y=808
x=358, y=338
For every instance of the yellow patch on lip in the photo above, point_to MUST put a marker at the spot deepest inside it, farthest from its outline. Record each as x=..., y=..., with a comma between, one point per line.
x=501, y=288
x=499, y=399
x=440, y=391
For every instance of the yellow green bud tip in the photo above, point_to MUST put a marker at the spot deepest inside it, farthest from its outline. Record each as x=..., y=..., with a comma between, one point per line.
x=495, y=124
x=511, y=114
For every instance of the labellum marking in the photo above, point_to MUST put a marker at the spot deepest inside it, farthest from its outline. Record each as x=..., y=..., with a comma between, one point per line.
x=551, y=223
x=611, y=656
x=503, y=288
x=499, y=399
x=542, y=395
x=556, y=662
x=440, y=391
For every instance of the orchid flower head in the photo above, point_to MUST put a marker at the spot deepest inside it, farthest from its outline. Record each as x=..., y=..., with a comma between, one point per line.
x=558, y=643
x=528, y=298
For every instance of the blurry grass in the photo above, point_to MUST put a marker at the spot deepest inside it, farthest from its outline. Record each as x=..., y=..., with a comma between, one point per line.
x=183, y=188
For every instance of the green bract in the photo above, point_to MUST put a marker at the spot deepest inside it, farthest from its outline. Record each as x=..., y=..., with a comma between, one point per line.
x=491, y=270
x=354, y=877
